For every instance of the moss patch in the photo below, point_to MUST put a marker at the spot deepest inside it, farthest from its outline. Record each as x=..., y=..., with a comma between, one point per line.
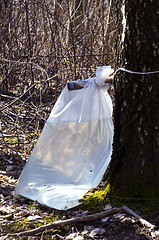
x=134, y=197
x=94, y=200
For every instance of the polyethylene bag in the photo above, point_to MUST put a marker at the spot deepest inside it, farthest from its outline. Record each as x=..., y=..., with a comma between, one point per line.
x=74, y=148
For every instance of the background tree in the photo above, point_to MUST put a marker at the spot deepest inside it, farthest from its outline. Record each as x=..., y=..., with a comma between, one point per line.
x=134, y=169
x=43, y=45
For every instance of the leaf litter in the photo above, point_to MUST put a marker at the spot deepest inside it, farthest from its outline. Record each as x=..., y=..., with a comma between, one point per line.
x=18, y=214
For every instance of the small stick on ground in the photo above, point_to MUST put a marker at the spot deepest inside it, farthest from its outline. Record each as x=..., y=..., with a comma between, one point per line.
x=141, y=220
x=62, y=223
x=145, y=223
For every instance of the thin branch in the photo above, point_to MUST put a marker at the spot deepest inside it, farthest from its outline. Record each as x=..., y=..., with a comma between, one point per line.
x=78, y=40
x=141, y=220
x=62, y=223
x=25, y=93
x=3, y=138
x=144, y=223
x=20, y=62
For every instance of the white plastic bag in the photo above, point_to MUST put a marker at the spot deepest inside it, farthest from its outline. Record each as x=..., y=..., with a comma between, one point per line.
x=73, y=150
x=102, y=73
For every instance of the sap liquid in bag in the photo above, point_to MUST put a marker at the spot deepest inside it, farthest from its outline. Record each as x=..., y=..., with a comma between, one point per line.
x=74, y=148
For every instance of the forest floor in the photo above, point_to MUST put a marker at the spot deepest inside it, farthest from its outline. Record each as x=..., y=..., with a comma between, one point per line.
x=21, y=214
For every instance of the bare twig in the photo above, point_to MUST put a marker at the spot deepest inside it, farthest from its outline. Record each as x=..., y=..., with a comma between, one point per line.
x=141, y=220
x=14, y=101
x=3, y=137
x=62, y=223
x=29, y=62
x=144, y=222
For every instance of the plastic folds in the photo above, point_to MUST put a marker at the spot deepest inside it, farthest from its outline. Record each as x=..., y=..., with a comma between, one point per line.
x=73, y=150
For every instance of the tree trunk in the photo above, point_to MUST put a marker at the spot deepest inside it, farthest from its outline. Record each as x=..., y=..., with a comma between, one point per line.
x=134, y=169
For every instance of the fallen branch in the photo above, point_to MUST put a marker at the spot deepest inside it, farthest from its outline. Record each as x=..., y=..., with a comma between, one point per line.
x=62, y=223
x=141, y=220
x=145, y=223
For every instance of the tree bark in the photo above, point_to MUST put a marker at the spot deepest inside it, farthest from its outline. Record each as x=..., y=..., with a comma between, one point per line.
x=134, y=168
